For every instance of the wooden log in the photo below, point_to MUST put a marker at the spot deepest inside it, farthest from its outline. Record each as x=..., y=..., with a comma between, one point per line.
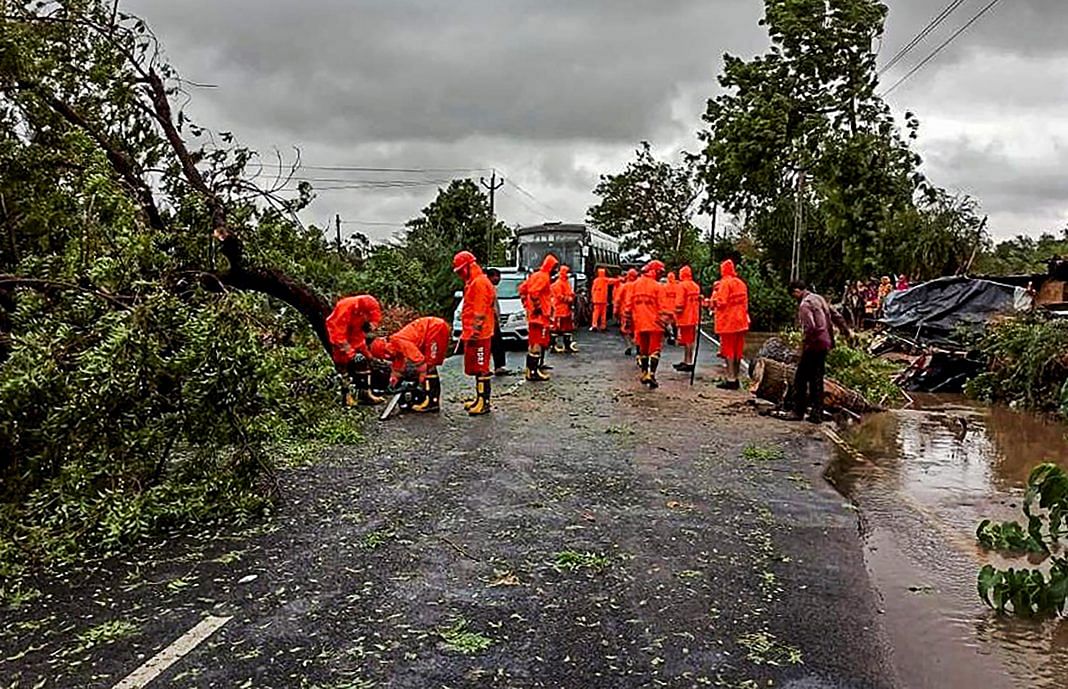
x=773, y=380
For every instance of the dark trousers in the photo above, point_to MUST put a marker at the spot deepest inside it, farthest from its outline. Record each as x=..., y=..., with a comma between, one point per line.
x=808, y=382
x=500, y=358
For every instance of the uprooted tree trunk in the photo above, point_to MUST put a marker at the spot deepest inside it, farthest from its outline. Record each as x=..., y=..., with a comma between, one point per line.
x=773, y=381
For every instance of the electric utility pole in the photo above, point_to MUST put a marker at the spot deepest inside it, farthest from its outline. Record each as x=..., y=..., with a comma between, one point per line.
x=492, y=186
x=337, y=229
x=799, y=228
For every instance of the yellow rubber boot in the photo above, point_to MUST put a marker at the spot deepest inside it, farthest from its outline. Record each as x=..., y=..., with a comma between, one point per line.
x=482, y=403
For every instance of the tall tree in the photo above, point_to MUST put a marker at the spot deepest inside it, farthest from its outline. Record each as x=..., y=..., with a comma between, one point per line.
x=650, y=206
x=803, y=124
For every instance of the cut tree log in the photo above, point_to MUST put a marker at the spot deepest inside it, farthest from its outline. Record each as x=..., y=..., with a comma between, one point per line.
x=773, y=380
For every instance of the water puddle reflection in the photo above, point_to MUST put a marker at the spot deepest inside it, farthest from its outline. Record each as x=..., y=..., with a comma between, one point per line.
x=923, y=479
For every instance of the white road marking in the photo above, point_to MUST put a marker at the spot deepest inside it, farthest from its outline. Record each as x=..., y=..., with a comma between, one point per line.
x=157, y=664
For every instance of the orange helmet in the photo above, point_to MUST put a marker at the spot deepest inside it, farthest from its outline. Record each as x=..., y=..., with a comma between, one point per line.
x=654, y=266
x=462, y=260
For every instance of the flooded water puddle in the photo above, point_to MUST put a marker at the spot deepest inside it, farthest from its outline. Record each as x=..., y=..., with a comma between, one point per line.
x=923, y=480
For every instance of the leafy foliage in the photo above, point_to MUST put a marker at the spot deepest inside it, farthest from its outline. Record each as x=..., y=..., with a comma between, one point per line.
x=457, y=637
x=1023, y=254
x=1028, y=364
x=869, y=375
x=1029, y=592
x=650, y=206
x=140, y=391
x=574, y=561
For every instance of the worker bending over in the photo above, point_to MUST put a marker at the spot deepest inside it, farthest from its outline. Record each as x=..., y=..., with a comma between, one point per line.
x=415, y=352
x=347, y=328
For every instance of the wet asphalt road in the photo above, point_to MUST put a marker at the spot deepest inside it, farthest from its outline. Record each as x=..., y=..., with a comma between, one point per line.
x=588, y=533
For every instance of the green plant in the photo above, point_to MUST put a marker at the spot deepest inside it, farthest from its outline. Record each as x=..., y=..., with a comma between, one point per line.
x=1028, y=364
x=761, y=453
x=763, y=648
x=457, y=637
x=574, y=561
x=1030, y=592
x=870, y=376
x=107, y=632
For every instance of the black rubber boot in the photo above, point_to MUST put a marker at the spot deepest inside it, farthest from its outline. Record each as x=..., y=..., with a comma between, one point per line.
x=432, y=403
x=643, y=364
x=482, y=404
x=534, y=373
x=365, y=397
x=654, y=363
x=569, y=344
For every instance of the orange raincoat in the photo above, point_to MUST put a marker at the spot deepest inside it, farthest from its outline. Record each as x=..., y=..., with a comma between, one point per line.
x=647, y=305
x=599, y=289
x=731, y=301
x=563, y=295
x=670, y=295
x=347, y=326
x=688, y=301
x=477, y=317
x=623, y=299
x=414, y=349
x=536, y=293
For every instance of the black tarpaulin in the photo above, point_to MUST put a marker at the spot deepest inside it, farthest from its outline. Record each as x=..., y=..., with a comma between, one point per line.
x=933, y=311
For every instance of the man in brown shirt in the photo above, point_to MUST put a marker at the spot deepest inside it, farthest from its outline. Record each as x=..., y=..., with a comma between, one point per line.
x=818, y=321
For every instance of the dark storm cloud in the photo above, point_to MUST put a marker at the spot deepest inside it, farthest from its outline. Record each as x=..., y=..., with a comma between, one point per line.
x=443, y=71
x=555, y=92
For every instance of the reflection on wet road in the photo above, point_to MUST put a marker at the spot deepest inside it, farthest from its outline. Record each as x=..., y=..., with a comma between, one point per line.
x=931, y=475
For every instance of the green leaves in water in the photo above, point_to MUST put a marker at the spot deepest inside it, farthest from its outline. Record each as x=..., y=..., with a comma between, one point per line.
x=1007, y=536
x=1029, y=592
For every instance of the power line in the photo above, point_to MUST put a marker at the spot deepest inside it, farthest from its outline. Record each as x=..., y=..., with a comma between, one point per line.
x=924, y=33
x=535, y=199
x=538, y=213
x=940, y=48
x=353, y=168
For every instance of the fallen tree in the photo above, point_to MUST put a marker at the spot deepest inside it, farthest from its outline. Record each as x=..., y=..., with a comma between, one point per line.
x=773, y=381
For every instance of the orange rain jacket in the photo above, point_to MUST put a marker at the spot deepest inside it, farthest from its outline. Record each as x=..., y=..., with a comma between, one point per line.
x=622, y=295
x=415, y=348
x=477, y=317
x=670, y=295
x=599, y=289
x=345, y=326
x=688, y=302
x=536, y=293
x=730, y=299
x=647, y=305
x=563, y=294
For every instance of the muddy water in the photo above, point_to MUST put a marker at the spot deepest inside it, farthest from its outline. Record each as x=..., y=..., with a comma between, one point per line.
x=922, y=480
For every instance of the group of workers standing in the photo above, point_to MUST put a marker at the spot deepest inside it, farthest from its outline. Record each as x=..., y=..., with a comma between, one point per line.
x=648, y=309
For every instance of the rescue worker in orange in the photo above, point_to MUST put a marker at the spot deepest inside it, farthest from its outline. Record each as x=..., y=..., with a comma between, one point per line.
x=622, y=307
x=730, y=299
x=687, y=317
x=415, y=352
x=536, y=293
x=650, y=315
x=563, y=312
x=670, y=295
x=599, y=299
x=478, y=322
x=347, y=328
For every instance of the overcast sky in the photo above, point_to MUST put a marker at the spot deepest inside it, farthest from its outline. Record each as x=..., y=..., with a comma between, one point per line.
x=552, y=93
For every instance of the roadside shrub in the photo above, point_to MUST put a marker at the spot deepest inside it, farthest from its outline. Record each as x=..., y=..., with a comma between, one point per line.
x=120, y=424
x=1028, y=364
